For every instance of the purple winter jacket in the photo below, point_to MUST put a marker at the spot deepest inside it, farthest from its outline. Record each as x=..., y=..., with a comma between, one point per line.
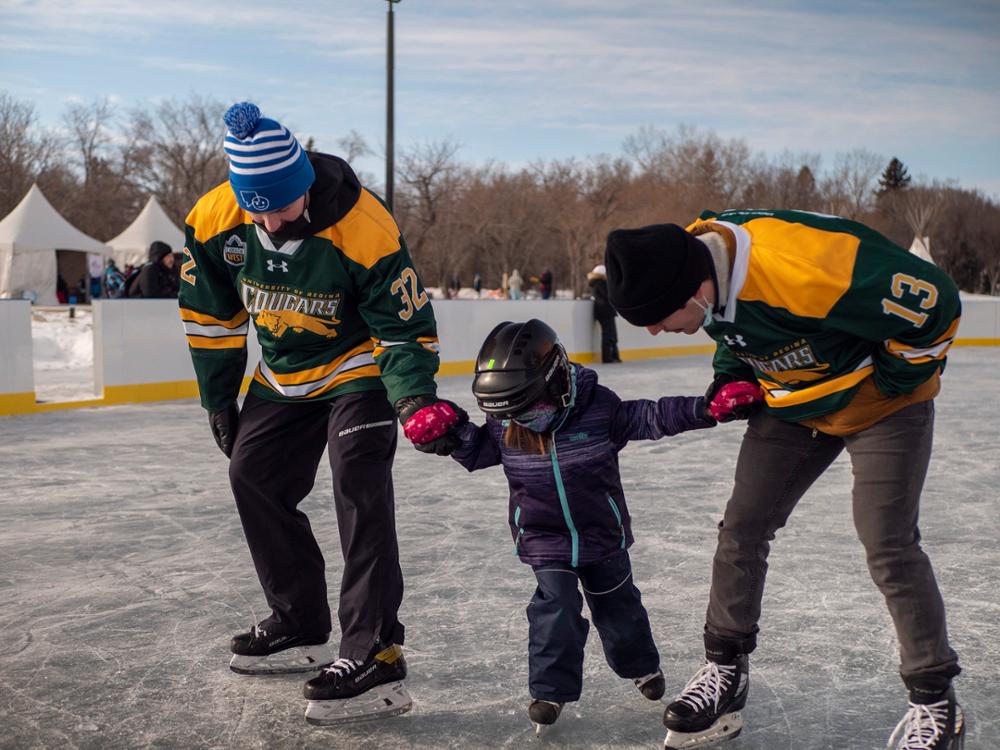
x=568, y=505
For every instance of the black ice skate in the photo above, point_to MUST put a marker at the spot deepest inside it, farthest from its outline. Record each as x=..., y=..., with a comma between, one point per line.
x=652, y=686
x=543, y=714
x=708, y=709
x=932, y=726
x=260, y=651
x=351, y=690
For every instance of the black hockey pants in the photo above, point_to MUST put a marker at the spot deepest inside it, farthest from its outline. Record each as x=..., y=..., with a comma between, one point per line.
x=273, y=468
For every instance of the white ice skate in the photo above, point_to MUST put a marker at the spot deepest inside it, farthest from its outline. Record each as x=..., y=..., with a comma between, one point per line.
x=381, y=701
x=289, y=661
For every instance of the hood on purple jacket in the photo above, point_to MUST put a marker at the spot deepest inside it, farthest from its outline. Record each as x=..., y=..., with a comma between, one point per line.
x=568, y=505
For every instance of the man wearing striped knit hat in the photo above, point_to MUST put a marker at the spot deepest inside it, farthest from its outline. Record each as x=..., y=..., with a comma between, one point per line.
x=293, y=243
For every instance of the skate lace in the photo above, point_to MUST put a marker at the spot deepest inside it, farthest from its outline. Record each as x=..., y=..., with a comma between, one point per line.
x=343, y=667
x=921, y=727
x=707, y=685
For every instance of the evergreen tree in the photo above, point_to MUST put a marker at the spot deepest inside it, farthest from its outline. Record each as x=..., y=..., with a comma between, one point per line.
x=894, y=177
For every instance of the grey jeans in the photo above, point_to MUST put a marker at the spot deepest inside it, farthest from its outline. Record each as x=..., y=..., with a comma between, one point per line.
x=778, y=462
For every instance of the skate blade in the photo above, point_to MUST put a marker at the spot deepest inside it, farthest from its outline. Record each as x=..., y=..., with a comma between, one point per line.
x=542, y=729
x=380, y=702
x=726, y=727
x=291, y=661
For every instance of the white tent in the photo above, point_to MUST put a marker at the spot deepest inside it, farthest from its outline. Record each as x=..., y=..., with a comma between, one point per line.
x=29, y=238
x=921, y=247
x=132, y=245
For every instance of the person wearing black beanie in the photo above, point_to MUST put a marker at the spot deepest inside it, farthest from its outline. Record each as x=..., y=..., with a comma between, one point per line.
x=847, y=335
x=660, y=277
x=156, y=279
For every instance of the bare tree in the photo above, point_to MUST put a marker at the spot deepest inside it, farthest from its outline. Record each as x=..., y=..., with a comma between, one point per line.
x=26, y=151
x=850, y=188
x=179, y=151
x=353, y=146
x=106, y=198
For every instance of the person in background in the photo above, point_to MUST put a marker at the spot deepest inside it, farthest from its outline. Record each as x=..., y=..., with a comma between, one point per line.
x=293, y=244
x=545, y=284
x=113, y=281
x=454, y=286
x=156, y=279
x=604, y=314
x=514, y=283
x=62, y=289
x=477, y=284
x=847, y=334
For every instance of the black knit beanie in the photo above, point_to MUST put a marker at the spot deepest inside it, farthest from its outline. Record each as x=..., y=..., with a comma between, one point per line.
x=158, y=251
x=653, y=271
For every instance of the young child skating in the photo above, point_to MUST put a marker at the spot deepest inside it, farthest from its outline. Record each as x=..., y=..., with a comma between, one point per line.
x=557, y=433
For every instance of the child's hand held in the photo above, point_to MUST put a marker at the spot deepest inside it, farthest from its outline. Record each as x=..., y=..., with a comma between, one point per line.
x=738, y=400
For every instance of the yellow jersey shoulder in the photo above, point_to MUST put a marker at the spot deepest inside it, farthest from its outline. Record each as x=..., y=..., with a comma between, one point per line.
x=367, y=233
x=796, y=267
x=215, y=212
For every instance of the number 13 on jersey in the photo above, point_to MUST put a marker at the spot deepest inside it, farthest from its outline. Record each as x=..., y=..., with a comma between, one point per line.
x=906, y=285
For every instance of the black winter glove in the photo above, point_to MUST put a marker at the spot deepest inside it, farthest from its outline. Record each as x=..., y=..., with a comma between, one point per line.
x=225, y=423
x=430, y=423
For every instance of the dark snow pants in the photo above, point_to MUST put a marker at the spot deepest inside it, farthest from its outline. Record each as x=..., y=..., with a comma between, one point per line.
x=273, y=468
x=778, y=462
x=557, y=632
x=609, y=339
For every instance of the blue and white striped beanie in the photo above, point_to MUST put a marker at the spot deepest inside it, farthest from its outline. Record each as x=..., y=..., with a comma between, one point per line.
x=268, y=170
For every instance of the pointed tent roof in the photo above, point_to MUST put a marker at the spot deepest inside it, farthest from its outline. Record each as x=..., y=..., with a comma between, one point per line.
x=921, y=247
x=34, y=225
x=150, y=225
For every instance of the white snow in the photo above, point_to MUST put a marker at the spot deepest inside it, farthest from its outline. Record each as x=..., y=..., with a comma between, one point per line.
x=123, y=573
x=63, y=353
x=60, y=342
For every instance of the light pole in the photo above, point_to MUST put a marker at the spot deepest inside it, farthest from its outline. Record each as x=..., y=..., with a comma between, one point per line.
x=389, y=104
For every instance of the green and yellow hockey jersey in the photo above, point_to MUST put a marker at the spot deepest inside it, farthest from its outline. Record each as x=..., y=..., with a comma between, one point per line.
x=337, y=312
x=821, y=310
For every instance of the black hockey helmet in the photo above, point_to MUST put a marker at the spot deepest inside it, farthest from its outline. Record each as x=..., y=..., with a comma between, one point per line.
x=518, y=365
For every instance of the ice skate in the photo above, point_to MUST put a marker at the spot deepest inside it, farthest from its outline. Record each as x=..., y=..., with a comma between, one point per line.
x=543, y=714
x=708, y=710
x=350, y=690
x=652, y=686
x=932, y=726
x=259, y=652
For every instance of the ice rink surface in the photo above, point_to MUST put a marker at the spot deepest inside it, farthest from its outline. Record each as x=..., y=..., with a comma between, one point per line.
x=123, y=572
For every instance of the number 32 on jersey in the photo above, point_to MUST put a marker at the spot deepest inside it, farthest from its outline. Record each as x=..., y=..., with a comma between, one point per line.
x=904, y=285
x=413, y=298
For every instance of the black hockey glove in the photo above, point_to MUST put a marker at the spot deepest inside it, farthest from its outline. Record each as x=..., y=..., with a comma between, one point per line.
x=225, y=423
x=430, y=423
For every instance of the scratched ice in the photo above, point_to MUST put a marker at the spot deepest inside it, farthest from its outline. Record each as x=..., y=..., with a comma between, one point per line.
x=123, y=572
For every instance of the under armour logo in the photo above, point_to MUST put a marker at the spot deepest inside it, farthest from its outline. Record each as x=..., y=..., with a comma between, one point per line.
x=736, y=340
x=272, y=266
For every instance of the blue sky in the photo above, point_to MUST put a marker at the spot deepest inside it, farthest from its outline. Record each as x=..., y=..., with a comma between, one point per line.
x=517, y=80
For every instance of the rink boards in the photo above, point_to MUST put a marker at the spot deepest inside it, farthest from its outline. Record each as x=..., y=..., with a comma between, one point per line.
x=140, y=353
